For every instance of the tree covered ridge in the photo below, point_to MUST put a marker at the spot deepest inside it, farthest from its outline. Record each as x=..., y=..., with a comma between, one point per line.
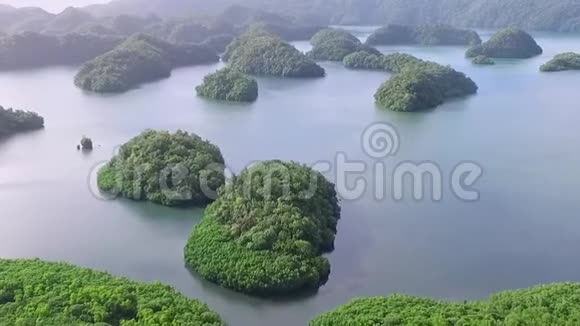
x=139, y=59
x=561, y=62
x=266, y=232
x=34, y=292
x=507, y=43
x=169, y=169
x=332, y=44
x=257, y=52
x=555, y=304
x=13, y=121
x=423, y=34
x=228, y=85
x=22, y=50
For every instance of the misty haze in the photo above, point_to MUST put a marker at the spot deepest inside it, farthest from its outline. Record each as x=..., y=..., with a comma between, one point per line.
x=269, y=162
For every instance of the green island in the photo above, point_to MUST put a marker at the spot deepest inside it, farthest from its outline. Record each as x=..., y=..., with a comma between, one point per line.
x=228, y=85
x=267, y=231
x=425, y=35
x=393, y=62
x=35, y=292
x=554, y=304
x=507, y=43
x=421, y=85
x=21, y=50
x=141, y=58
x=179, y=169
x=335, y=44
x=483, y=60
x=258, y=52
x=561, y=62
x=14, y=121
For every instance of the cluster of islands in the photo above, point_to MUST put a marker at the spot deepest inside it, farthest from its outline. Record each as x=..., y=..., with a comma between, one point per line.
x=259, y=234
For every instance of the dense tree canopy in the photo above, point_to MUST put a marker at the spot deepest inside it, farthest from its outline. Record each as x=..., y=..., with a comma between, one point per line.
x=364, y=60
x=507, y=43
x=13, y=121
x=169, y=169
x=335, y=44
x=139, y=59
x=22, y=50
x=556, y=304
x=259, y=53
x=229, y=85
x=483, y=60
x=563, y=61
x=424, y=34
x=33, y=292
x=266, y=232
x=423, y=85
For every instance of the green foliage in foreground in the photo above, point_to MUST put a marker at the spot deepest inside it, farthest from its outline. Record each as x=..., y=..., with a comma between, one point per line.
x=140, y=59
x=13, y=121
x=561, y=62
x=483, y=60
x=260, y=53
x=229, y=85
x=266, y=232
x=169, y=169
x=556, y=304
x=423, y=85
x=425, y=35
x=507, y=43
x=33, y=292
x=335, y=44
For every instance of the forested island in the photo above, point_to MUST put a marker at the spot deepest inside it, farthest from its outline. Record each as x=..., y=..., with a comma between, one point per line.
x=265, y=234
x=419, y=85
x=425, y=35
x=14, y=121
x=178, y=169
x=483, y=60
x=561, y=62
x=258, y=52
x=335, y=44
x=141, y=58
x=30, y=49
x=507, y=43
x=34, y=292
x=555, y=304
x=228, y=85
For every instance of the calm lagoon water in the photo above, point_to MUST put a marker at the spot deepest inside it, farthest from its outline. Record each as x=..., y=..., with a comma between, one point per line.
x=522, y=128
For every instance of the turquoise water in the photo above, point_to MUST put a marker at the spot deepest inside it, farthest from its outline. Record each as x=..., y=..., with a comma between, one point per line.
x=522, y=128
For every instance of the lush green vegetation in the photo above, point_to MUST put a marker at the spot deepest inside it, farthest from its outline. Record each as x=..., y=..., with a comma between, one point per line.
x=555, y=304
x=140, y=59
x=267, y=230
x=335, y=44
x=229, y=85
x=33, y=292
x=22, y=50
x=13, y=121
x=394, y=62
x=483, y=60
x=424, y=34
x=422, y=85
x=507, y=43
x=169, y=169
x=563, y=61
x=260, y=53
x=364, y=60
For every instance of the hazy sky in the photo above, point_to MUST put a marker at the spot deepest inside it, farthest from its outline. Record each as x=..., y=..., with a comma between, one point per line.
x=51, y=5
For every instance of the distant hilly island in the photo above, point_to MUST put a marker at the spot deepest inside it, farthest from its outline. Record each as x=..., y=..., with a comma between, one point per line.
x=548, y=15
